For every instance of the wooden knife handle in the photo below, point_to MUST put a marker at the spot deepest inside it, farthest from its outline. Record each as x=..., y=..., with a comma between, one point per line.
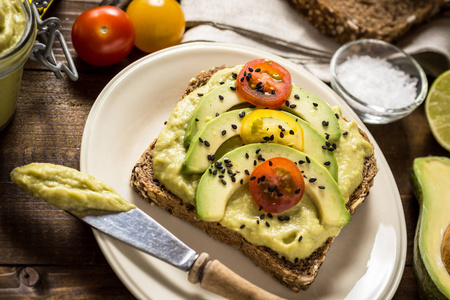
x=217, y=278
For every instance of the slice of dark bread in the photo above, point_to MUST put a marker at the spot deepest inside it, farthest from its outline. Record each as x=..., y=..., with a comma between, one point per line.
x=297, y=276
x=347, y=20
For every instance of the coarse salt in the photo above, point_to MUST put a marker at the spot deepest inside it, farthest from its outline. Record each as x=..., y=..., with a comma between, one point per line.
x=377, y=82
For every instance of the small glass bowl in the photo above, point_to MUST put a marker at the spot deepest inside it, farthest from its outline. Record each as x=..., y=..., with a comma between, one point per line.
x=369, y=112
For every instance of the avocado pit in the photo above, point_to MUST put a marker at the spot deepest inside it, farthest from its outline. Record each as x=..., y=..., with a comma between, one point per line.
x=445, y=249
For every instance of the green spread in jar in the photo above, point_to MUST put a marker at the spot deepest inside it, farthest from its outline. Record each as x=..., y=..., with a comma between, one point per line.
x=12, y=24
x=69, y=189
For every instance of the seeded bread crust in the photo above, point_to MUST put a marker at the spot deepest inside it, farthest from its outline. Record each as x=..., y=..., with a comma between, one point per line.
x=296, y=276
x=347, y=20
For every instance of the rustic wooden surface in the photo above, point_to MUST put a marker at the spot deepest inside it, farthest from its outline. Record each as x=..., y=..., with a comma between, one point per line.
x=45, y=252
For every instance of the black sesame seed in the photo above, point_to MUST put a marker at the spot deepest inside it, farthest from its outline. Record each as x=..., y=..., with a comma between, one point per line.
x=224, y=182
x=242, y=181
x=217, y=114
x=260, y=208
x=297, y=191
x=233, y=88
x=267, y=224
x=291, y=132
x=247, y=172
x=269, y=215
x=345, y=133
x=331, y=149
x=337, y=116
x=300, y=238
x=281, y=134
x=296, y=96
x=250, y=69
x=224, y=132
x=214, y=172
x=327, y=163
x=325, y=123
x=196, y=120
x=233, y=179
x=234, y=74
x=315, y=104
x=242, y=226
x=307, y=159
x=263, y=178
x=286, y=218
x=321, y=187
x=287, y=103
x=200, y=94
x=334, y=146
x=255, y=162
x=301, y=162
x=207, y=144
x=258, y=70
x=229, y=171
x=293, y=105
x=273, y=92
x=312, y=179
x=220, y=97
x=242, y=114
x=200, y=139
x=253, y=178
x=270, y=163
x=258, y=150
x=246, y=155
x=324, y=147
x=279, y=194
x=221, y=176
x=233, y=126
x=257, y=222
x=242, y=79
x=262, y=216
x=222, y=171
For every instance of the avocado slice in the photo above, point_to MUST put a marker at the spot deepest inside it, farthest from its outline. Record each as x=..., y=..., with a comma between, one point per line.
x=300, y=103
x=217, y=101
x=217, y=131
x=233, y=170
x=430, y=179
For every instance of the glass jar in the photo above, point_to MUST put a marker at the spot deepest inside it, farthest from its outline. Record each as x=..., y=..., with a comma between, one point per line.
x=11, y=65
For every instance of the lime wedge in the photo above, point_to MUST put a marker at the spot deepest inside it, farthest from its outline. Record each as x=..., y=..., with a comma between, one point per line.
x=437, y=109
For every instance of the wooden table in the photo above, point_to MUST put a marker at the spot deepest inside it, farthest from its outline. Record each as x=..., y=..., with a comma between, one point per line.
x=46, y=252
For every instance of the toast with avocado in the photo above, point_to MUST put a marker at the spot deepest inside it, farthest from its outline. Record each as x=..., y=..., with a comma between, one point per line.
x=275, y=178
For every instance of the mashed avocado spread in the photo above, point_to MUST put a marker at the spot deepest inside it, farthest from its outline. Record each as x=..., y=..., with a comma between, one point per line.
x=12, y=24
x=69, y=189
x=299, y=232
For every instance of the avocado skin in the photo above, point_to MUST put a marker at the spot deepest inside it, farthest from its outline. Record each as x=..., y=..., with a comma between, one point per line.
x=427, y=287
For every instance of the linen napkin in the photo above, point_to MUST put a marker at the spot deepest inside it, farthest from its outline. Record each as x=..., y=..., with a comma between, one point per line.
x=275, y=26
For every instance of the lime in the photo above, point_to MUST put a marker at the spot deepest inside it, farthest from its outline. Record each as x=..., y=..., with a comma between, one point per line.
x=437, y=109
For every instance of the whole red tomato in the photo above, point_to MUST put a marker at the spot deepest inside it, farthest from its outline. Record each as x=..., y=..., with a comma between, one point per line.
x=103, y=36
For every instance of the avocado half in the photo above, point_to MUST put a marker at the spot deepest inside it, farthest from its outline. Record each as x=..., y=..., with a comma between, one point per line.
x=430, y=179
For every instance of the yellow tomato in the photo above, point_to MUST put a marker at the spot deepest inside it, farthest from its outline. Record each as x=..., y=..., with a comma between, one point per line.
x=271, y=126
x=158, y=23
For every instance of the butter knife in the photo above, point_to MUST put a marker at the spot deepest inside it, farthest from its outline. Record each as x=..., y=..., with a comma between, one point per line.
x=139, y=230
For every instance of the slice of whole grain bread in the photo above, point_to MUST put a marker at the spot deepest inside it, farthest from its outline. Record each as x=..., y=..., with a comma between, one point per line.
x=347, y=20
x=297, y=276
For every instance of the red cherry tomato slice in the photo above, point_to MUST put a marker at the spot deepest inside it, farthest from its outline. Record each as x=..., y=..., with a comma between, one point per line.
x=264, y=83
x=277, y=185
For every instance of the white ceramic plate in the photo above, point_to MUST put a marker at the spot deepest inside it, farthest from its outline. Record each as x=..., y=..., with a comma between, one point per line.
x=366, y=261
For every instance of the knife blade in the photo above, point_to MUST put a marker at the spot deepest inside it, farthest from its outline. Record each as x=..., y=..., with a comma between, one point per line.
x=139, y=230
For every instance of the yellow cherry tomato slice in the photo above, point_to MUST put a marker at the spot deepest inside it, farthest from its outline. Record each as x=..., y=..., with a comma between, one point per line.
x=271, y=126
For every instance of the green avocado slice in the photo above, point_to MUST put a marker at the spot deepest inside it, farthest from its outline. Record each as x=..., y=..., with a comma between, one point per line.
x=217, y=131
x=217, y=101
x=430, y=179
x=213, y=190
